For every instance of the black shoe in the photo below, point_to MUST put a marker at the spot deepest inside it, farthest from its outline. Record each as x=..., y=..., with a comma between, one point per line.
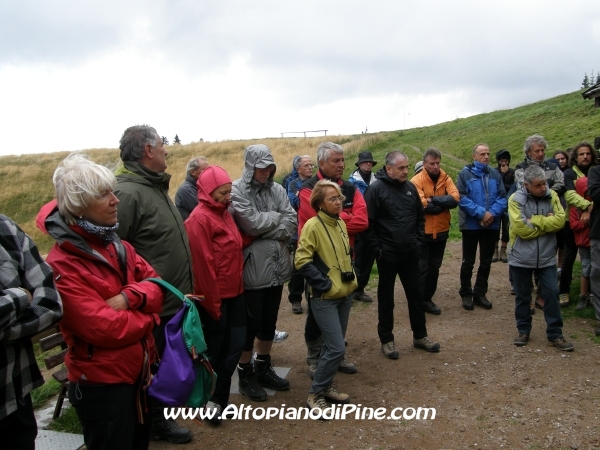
x=521, y=339
x=266, y=376
x=297, y=308
x=168, y=430
x=467, y=302
x=482, y=302
x=362, y=297
x=431, y=308
x=248, y=385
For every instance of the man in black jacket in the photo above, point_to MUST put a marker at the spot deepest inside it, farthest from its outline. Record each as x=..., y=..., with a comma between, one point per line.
x=186, y=197
x=396, y=229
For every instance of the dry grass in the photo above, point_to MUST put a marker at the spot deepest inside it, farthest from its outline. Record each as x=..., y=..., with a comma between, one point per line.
x=28, y=178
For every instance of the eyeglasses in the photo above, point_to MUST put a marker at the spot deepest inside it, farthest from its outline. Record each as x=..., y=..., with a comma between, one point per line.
x=308, y=165
x=335, y=199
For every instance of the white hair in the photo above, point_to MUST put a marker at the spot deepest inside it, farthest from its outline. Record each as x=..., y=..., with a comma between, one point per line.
x=77, y=182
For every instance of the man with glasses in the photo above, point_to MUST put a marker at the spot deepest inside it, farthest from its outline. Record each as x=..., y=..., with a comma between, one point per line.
x=395, y=233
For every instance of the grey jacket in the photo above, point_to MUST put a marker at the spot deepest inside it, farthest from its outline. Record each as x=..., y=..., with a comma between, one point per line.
x=264, y=213
x=533, y=242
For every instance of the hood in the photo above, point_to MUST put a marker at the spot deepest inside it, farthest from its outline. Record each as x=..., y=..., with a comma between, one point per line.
x=522, y=194
x=50, y=222
x=135, y=172
x=502, y=154
x=211, y=178
x=258, y=156
x=294, y=173
x=383, y=176
x=581, y=186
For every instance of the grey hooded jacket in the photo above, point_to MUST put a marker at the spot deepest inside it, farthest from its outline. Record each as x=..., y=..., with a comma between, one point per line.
x=264, y=213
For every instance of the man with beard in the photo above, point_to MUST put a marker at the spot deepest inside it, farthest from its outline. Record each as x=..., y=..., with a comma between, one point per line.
x=583, y=157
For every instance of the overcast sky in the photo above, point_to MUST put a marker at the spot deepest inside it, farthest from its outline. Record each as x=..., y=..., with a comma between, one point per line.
x=74, y=74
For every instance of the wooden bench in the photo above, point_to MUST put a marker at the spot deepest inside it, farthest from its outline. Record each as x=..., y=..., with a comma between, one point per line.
x=48, y=343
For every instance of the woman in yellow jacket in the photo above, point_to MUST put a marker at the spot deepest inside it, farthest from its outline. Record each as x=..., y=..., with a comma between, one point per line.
x=324, y=259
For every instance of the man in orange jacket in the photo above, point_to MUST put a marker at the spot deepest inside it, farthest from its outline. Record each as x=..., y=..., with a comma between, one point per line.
x=438, y=195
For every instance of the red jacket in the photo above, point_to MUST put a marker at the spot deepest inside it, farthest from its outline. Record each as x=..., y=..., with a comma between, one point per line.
x=216, y=245
x=580, y=229
x=105, y=346
x=354, y=212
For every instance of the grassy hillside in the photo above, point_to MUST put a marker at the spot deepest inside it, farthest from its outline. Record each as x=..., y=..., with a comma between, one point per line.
x=563, y=120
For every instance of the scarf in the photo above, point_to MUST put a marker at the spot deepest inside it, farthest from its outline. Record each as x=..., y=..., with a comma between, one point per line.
x=107, y=234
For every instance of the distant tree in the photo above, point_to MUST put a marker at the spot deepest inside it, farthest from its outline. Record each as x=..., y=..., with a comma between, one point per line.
x=176, y=140
x=586, y=82
x=598, y=78
x=165, y=140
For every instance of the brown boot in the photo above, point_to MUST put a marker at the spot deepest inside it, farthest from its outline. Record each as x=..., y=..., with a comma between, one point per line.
x=503, y=255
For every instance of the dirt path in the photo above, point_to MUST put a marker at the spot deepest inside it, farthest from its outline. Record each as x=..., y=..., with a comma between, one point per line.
x=487, y=393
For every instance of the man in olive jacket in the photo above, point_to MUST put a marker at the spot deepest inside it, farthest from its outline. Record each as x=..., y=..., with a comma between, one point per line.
x=150, y=222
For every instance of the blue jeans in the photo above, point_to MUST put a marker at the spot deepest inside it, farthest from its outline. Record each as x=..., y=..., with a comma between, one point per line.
x=548, y=283
x=332, y=318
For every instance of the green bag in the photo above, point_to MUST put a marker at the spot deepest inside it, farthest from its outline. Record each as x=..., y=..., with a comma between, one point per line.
x=206, y=378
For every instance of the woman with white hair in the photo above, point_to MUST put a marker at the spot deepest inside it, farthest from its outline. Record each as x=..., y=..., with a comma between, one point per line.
x=109, y=311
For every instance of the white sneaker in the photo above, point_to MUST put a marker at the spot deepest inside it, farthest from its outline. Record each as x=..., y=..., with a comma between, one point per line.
x=280, y=336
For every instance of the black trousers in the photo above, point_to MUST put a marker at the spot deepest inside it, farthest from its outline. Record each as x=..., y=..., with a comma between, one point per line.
x=19, y=429
x=364, y=260
x=225, y=342
x=410, y=276
x=109, y=418
x=262, y=307
x=569, y=257
x=430, y=261
x=295, y=287
x=486, y=240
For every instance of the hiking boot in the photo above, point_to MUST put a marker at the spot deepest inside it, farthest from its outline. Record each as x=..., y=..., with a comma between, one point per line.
x=170, y=431
x=495, y=257
x=563, y=300
x=362, y=297
x=482, y=302
x=280, y=336
x=467, y=302
x=312, y=369
x=332, y=394
x=317, y=401
x=503, y=255
x=583, y=301
x=431, y=308
x=389, y=350
x=215, y=409
x=426, y=344
x=521, y=339
x=563, y=345
x=297, y=308
x=347, y=367
x=266, y=376
x=248, y=385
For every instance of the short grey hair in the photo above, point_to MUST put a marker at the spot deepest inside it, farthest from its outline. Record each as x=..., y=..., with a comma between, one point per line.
x=480, y=144
x=78, y=181
x=432, y=152
x=134, y=141
x=326, y=149
x=534, y=173
x=392, y=157
x=535, y=139
x=299, y=161
x=195, y=162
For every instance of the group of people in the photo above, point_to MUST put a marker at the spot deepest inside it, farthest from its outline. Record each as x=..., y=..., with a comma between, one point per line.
x=236, y=243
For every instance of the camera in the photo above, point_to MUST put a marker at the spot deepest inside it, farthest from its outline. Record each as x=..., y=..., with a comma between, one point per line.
x=347, y=277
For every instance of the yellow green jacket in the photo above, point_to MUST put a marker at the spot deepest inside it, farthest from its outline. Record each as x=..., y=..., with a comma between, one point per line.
x=319, y=263
x=533, y=244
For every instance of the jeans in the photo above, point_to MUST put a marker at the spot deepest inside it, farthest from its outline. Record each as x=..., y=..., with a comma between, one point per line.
x=364, y=260
x=410, y=277
x=547, y=281
x=566, y=272
x=332, y=319
x=486, y=239
x=595, y=275
x=430, y=261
